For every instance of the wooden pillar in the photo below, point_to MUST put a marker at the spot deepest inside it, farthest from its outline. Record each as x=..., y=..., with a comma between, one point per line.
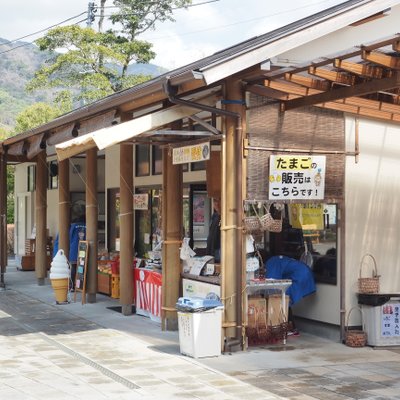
x=172, y=192
x=232, y=195
x=63, y=206
x=126, y=228
x=91, y=223
x=41, y=218
x=3, y=217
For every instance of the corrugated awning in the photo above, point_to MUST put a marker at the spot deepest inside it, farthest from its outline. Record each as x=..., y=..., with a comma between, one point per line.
x=113, y=135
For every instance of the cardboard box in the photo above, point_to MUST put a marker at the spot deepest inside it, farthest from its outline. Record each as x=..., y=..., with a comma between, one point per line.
x=275, y=312
x=256, y=311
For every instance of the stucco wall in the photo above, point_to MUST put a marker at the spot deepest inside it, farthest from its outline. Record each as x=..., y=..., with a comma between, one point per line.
x=372, y=211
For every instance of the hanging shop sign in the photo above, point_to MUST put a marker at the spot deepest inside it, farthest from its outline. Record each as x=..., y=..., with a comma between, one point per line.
x=296, y=177
x=189, y=154
x=141, y=201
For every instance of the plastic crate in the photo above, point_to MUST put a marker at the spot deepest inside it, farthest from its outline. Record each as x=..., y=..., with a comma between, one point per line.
x=382, y=323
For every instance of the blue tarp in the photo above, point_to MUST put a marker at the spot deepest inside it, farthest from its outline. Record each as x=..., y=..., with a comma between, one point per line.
x=282, y=267
x=77, y=232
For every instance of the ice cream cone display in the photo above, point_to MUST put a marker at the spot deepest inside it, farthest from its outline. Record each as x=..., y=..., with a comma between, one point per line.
x=59, y=276
x=60, y=287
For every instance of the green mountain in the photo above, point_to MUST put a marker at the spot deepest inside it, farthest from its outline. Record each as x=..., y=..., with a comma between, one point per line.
x=18, y=63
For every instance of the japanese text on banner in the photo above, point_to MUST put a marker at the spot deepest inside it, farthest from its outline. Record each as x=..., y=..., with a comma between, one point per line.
x=297, y=177
x=390, y=320
x=195, y=153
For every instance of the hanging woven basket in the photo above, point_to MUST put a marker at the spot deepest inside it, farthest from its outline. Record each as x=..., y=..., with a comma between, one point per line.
x=368, y=284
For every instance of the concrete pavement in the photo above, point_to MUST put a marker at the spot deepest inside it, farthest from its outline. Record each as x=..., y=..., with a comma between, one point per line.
x=77, y=351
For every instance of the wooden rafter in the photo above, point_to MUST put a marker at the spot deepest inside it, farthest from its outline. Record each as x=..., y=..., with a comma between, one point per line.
x=334, y=76
x=347, y=91
x=381, y=59
x=312, y=83
x=369, y=71
x=355, y=101
x=348, y=105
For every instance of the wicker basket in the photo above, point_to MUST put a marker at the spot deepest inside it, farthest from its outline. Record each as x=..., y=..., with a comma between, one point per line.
x=371, y=284
x=269, y=223
x=251, y=223
x=355, y=337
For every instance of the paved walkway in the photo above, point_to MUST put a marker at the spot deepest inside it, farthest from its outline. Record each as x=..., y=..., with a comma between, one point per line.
x=77, y=351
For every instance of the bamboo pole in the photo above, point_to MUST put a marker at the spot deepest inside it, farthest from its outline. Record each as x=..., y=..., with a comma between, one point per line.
x=231, y=235
x=126, y=226
x=63, y=206
x=172, y=193
x=91, y=223
x=3, y=217
x=41, y=218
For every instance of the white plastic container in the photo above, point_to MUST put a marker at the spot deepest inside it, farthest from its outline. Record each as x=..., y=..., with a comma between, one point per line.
x=200, y=333
x=382, y=323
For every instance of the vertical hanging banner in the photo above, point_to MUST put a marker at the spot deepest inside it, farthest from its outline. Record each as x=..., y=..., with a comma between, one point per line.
x=296, y=177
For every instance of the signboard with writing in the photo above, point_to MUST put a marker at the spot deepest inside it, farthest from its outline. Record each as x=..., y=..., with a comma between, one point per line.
x=189, y=154
x=297, y=177
x=390, y=320
x=141, y=201
x=81, y=269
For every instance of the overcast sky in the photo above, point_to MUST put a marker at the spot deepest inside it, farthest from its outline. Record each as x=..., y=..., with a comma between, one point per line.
x=197, y=32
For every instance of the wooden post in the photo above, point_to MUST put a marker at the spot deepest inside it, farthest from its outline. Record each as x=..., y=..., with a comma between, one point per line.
x=3, y=217
x=91, y=223
x=41, y=218
x=63, y=206
x=172, y=192
x=126, y=226
x=232, y=194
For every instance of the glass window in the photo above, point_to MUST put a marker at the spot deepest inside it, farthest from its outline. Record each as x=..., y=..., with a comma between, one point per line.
x=156, y=160
x=309, y=234
x=52, y=168
x=198, y=166
x=142, y=160
x=31, y=178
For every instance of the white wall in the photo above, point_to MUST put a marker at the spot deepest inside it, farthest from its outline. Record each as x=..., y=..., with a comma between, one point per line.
x=372, y=211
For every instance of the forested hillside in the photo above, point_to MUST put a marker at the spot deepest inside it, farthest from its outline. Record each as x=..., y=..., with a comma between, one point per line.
x=18, y=63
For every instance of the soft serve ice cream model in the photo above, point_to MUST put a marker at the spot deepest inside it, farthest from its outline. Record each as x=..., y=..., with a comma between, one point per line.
x=59, y=276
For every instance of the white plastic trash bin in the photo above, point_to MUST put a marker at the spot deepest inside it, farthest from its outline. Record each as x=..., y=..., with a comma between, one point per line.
x=200, y=326
x=200, y=333
x=382, y=324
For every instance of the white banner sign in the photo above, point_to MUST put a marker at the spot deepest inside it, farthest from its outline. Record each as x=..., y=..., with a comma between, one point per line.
x=296, y=177
x=390, y=320
x=189, y=154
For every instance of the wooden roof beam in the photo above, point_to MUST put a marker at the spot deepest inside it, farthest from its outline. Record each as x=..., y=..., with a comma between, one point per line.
x=369, y=71
x=306, y=81
x=293, y=91
x=290, y=88
x=334, y=76
x=343, y=92
x=381, y=59
x=269, y=92
x=349, y=105
x=365, y=112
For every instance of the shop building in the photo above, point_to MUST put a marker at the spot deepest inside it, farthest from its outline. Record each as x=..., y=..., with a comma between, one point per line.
x=324, y=89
